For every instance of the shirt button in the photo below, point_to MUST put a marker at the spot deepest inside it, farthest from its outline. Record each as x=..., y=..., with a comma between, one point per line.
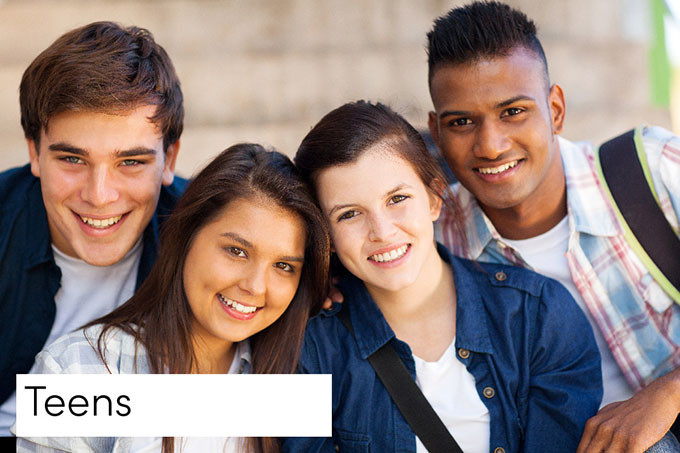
x=500, y=276
x=489, y=392
x=463, y=353
x=499, y=450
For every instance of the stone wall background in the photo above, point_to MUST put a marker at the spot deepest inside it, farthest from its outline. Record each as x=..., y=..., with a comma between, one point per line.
x=267, y=70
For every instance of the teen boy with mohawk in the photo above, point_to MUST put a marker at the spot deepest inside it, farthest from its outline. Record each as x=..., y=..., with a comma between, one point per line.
x=533, y=199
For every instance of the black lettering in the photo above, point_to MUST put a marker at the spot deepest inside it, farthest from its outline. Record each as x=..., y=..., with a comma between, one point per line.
x=101, y=397
x=56, y=405
x=35, y=396
x=120, y=403
x=72, y=404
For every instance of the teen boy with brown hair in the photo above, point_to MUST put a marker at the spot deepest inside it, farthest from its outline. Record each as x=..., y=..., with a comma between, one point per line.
x=102, y=113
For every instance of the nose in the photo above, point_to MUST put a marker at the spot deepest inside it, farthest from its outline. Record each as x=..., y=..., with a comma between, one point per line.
x=100, y=188
x=381, y=226
x=254, y=280
x=492, y=141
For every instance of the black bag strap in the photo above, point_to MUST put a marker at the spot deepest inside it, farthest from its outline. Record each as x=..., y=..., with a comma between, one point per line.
x=408, y=397
x=630, y=189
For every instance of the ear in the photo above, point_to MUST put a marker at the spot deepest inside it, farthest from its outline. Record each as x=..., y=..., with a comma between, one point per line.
x=33, y=157
x=433, y=124
x=169, y=165
x=558, y=108
x=435, y=193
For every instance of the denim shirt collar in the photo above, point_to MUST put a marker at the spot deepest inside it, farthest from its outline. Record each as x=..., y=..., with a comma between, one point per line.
x=372, y=331
x=38, y=245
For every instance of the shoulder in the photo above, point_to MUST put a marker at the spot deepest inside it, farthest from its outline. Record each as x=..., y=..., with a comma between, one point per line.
x=170, y=195
x=504, y=276
x=78, y=353
x=15, y=185
x=326, y=341
x=508, y=289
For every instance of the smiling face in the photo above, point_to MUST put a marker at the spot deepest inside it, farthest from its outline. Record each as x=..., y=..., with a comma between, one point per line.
x=380, y=216
x=495, y=122
x=242, y=270
x=100, y=177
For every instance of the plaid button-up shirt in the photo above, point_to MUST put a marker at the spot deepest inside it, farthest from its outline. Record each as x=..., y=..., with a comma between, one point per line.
x=639, y=321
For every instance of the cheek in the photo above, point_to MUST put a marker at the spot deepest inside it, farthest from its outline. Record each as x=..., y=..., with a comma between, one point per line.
x=344, y=240
x=284, y=293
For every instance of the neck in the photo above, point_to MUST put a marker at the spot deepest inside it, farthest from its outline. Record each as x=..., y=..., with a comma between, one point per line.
x=522, y=222
x=424, y=313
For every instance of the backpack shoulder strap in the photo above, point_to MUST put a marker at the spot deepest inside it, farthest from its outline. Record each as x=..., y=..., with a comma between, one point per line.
x=622, y=169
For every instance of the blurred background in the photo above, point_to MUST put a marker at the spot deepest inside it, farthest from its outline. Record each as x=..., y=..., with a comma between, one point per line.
x=266, y=70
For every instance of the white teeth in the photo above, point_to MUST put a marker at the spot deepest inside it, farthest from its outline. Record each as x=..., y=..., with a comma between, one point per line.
x=496, y=170
x=101, y=223
x=235, y=305
x=389, y=256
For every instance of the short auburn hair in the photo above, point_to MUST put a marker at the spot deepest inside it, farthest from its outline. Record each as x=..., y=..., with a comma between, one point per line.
x=102, y=67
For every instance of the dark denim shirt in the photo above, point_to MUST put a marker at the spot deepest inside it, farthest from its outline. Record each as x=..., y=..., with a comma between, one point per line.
x=521, y=335
x=29, y=277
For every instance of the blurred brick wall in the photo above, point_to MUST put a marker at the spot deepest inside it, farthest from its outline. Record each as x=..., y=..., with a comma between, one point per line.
x=267, y=70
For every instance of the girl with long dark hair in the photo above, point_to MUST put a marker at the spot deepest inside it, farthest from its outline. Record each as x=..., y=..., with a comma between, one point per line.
x=243, y=262
x=503, y=355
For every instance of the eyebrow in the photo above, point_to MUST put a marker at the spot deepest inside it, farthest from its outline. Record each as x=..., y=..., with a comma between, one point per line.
x=338, y=207
x=500, y=105
x=248, y=244
x=132, y=152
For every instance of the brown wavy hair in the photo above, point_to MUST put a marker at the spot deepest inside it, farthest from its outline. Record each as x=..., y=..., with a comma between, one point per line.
x=159, y=317
x=102, y=67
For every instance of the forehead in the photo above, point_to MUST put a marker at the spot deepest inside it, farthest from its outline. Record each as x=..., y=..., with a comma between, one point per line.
x=97, y=130
x=521, y=72
x=268, y=227
x=377, y=171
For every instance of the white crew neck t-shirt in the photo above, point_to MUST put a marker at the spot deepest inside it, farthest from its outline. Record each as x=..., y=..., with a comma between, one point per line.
x=546, y=254
x=450, y=390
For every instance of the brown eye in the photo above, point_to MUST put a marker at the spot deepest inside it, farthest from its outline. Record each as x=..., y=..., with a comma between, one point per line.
x=347, y=215
x=397, y=199
x=284, y=267
x=237, y=252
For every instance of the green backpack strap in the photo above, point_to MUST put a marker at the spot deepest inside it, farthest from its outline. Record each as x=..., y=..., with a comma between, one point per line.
x=623, y=171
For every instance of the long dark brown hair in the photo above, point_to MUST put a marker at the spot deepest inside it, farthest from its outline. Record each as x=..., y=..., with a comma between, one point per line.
x=159, y=317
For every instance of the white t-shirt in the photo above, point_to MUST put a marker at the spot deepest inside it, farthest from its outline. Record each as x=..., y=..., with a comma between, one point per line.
x=86, y=293
x=451, y=391
x=546, y=254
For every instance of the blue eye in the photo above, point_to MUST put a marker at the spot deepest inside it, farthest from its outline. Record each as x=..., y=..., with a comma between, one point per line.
x=131, y=162
x=71, y=159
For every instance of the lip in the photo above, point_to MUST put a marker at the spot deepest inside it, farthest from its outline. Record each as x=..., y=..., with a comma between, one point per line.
x=393, y=263
x=98, y=232
x=498, y=177
x=237, y=314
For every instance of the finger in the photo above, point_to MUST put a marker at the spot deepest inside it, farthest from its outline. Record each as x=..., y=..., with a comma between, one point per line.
x=327, y=304
x=336, y=295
